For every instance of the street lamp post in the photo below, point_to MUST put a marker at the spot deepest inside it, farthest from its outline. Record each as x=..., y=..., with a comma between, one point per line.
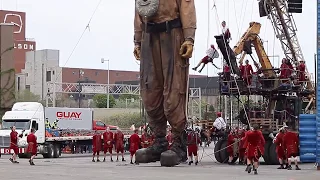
x=108, y=98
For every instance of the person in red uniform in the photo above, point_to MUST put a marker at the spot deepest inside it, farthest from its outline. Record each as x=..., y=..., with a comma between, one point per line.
x=290, y=71
x=226, y=72
x=14, y=144
x=232, y=139
x=169, y=138
x=301, y=72
x=212, y=53
x=118, y=139
x=290, y=146
x=247, y=73
x=193, y=141
x=242, y=148
x=241, y=68
x=96, y=145
x=134, y=144
x=107, y=144
x=278, y=140
x=284, y=68
x=32, y=146
x=255, y=148
x=145, y=139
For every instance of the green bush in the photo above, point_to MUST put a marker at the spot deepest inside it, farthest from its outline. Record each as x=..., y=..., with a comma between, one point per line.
x=101, y=100
x=125, y=120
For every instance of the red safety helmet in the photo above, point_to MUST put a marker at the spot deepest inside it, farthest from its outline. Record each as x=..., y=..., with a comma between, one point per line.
x=219, y=114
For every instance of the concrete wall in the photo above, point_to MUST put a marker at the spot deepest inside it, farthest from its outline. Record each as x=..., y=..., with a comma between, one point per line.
x=102, y=113
x=40, y=65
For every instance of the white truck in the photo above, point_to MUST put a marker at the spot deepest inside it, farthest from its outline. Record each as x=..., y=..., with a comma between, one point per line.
x=55, y=127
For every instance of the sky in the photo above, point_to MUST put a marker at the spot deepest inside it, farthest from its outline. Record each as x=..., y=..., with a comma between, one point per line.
x=59, y=24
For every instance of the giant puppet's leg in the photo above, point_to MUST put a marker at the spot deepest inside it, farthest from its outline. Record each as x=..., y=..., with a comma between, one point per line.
x=175, y=73
x=151, y=83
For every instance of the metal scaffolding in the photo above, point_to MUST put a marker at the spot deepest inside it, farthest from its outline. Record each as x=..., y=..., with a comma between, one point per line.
x=55, y=90
x=194, y=105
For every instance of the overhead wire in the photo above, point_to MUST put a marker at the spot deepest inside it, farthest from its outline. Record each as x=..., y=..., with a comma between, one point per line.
x=87, y=26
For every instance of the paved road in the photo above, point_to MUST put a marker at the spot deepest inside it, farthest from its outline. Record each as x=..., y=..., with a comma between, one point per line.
x=80, y=167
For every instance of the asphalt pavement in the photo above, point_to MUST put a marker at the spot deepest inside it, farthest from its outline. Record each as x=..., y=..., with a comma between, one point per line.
x=80, y=167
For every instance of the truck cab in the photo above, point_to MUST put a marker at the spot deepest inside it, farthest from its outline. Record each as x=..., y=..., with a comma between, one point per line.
x=99, y=125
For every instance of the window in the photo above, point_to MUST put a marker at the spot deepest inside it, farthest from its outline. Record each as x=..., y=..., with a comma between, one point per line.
x=48, y=76
x=138, y=76
x=117, y=74
x=73, y=72
x=18, y=83
x=52, y=72
x=28, y=87
x=97, y=73
x=34, y=125
x=98, y=123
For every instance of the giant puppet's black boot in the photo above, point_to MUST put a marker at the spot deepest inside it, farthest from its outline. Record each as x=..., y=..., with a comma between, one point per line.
x=177, y=153
x=152, y=153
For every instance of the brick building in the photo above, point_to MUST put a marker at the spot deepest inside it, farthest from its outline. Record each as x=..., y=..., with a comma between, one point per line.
x=21, y=43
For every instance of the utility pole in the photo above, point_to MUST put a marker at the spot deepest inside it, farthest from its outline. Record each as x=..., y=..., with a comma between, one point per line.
x=80, y=88
x=108, y=91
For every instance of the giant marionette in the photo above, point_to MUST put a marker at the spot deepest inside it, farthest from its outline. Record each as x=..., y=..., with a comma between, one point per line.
x=164, y=33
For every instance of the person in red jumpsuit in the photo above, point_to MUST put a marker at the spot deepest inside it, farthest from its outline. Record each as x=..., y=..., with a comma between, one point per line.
x=14, y=144
x=107, y=144
x=232, y=139
x=193, y=142
x=96, y=145
x=32, y=146
x=247, y=73
x=118, y=139
x=290, y=146
x=145, y=139
x=301, y=72
x=226, y=72
x=241, y=68
x=134, y=144
x=169, y=138
x=242, y=148
x=278, y=140
x=255, y=148
x=284, y=68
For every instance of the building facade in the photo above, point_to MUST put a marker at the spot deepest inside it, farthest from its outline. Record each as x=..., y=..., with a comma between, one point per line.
x=21, y=43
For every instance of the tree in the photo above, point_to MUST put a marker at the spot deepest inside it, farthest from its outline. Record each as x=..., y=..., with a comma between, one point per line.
x=27, y=96
x=101, y=100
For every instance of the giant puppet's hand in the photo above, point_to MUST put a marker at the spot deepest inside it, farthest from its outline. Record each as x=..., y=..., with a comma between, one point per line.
x=137, y=52
x=186, y=49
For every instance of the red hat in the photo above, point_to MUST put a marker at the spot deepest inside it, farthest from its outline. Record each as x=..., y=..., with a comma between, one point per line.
x=212, y=46
x=219, y=114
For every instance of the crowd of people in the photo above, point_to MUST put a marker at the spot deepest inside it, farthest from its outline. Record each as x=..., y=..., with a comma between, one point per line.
x=249, y=146
x=287, y=73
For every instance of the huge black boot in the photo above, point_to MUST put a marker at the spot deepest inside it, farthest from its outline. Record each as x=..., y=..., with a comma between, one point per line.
x=152, y=153
x=177, y=153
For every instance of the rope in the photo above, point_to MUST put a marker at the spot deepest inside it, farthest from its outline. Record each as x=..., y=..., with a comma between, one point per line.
x=217, y=16
x=209, y=155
